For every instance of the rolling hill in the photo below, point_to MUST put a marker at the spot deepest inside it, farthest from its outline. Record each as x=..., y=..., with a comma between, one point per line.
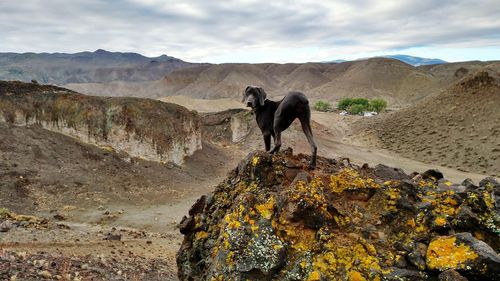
x=397, y=82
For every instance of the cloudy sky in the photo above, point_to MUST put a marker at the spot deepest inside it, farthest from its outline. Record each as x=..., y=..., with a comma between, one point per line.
x=255, y=31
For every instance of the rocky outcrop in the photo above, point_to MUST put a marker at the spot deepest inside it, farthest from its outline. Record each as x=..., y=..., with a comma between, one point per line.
x=229, y=126
x=143, y=128
x=273, y=219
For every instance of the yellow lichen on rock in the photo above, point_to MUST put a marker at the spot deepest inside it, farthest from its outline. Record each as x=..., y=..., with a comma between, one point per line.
x=444, y=253
x=314, y=276
x=255, y=160
x=312, y=194
x=355, y=276
x=201, y=235
x=349, y=179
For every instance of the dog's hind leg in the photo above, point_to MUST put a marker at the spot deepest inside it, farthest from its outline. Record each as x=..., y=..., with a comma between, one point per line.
x=305, y=121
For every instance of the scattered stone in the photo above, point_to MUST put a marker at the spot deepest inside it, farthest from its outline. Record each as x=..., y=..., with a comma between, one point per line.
x=451, y=275
x=5, y=226
x=113, y=237
x=417, y=256
x=59, y=217
x=432, y=174
x=388, y=173
x=45, y=274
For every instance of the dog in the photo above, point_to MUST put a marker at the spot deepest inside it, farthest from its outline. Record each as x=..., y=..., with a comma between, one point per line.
x=273, y=117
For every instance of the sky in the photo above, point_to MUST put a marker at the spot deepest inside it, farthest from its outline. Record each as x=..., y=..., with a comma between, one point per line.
x=255, y=31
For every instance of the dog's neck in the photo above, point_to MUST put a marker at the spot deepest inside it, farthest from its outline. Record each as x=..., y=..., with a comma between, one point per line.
x=268, y=105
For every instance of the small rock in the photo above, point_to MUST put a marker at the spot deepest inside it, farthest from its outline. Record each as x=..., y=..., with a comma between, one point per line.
x=432, y=174
x=489, y=181
x=417, y=256
x=398, y=274
x=469, y=184
x=59, y=217
x=388, y=173
x=113, y=237
x=451, y=275
x=45, y=274
x=5, y=226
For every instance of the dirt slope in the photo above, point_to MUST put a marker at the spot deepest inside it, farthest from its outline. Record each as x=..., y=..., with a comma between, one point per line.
x=457, y=128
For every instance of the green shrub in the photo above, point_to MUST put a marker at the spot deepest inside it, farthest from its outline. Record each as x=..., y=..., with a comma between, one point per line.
x=360, y=105
x=344, y=103
x=378, y=105
x=362, y=101
x=322, y=106
x=356, y=109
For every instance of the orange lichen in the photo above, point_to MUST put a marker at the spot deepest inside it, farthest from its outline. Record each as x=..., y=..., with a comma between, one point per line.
x=440, y=221
x=411, y=223
x=444, y=253
x=266, y=210
x=355, y=276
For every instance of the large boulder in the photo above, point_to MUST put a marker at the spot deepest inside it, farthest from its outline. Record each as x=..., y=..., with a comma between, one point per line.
x=274, y=219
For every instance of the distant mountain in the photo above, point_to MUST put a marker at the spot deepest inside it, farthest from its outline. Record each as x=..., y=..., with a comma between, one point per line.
x=86, y=67
x=415, y=61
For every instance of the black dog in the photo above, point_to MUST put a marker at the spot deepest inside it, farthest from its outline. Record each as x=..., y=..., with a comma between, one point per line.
x=273, y=117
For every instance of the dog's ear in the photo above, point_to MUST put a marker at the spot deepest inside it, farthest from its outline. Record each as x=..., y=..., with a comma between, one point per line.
x=262, y=96
x=245, y=93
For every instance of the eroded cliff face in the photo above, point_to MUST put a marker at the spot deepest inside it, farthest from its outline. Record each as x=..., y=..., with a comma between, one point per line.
x=273, y=219
x=142, y=128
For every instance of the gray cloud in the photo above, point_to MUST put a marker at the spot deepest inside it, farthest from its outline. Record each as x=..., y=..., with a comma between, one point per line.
x=210, y=30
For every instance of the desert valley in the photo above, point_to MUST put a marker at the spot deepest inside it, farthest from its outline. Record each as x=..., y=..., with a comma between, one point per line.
x=103, y=153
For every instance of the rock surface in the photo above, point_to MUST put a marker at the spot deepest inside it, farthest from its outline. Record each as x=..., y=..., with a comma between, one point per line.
x=273, y=219
x=142, y=128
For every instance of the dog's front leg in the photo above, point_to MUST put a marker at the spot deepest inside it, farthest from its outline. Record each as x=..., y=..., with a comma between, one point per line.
x=277, y=142
x=267, y=141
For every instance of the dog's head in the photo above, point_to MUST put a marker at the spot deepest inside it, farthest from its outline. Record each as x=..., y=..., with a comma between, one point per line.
x=254, y=97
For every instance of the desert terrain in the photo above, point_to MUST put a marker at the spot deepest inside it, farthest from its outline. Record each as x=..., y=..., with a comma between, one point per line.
x=74, y=207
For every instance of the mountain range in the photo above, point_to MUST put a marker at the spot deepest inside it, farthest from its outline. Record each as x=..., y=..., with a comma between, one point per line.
x=415, y=61
x=86, y=67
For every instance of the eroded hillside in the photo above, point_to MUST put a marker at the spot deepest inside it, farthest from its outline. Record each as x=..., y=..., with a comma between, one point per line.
x=144, y=128
x=458, y=128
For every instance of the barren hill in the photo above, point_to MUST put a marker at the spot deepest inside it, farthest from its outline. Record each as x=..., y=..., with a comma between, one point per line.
x=399, y=83
x=458, y=128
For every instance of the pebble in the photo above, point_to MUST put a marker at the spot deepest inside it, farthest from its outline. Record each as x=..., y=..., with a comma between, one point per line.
x=45, y=274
